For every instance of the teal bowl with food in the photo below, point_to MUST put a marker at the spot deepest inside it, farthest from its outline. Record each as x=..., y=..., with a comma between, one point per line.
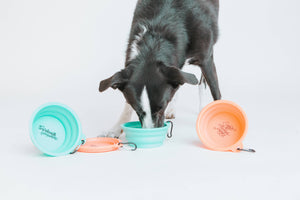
x=147, y=138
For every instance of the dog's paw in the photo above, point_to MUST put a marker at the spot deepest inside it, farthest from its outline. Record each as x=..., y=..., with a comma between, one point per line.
x=114, y=133
x=170, y=114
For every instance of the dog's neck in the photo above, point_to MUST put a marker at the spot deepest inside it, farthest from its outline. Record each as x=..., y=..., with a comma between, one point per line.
x=151, y=45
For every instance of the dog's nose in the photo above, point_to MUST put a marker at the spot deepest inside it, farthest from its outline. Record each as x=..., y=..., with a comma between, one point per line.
x=157, y=120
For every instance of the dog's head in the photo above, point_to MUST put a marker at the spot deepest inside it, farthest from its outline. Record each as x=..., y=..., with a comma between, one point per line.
x=149, y=89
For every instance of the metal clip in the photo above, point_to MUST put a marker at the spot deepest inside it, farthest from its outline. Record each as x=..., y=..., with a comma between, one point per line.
x=129, y=144
x=170, y=134
x=82, y=143
x=247, y=150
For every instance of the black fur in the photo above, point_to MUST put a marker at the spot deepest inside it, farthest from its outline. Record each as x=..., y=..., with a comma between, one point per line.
x=177, y=30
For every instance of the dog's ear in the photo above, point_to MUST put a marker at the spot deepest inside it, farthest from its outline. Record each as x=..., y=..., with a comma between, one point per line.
x=117, y=81
x=177, y=77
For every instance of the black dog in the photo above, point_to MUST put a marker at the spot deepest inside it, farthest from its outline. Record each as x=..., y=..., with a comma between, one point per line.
x=164, y=34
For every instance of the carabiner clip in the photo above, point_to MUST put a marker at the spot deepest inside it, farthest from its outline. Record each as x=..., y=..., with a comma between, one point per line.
x=170, y=134
x=129, y=144
x=82, y=143
x=247, y=150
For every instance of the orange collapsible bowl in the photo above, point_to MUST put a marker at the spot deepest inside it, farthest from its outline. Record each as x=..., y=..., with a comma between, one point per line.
x=102, y=144
x=222, y=126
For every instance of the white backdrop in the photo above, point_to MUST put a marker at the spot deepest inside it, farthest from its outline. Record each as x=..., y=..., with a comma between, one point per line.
x=59, y=51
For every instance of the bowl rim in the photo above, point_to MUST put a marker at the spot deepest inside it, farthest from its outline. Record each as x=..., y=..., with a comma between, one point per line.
x=166, y=125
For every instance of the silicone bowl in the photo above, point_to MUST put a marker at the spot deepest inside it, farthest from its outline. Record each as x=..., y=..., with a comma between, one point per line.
x=222, y=126
x=100, y=145
x=145, y=138
x=55, y=129
x=103, y=144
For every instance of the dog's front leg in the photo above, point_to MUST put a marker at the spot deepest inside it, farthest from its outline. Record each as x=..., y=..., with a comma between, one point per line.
x=116, y=130
x=171, y=109
x=205, y=96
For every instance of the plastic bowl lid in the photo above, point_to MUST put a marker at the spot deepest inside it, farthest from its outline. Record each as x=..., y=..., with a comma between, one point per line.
x=222, y=125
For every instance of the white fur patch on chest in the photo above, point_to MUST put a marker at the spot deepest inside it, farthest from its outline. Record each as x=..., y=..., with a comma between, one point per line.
x=147, y=121
x=134, y=51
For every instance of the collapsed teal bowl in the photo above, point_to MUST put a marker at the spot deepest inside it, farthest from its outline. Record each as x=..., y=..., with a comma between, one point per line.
x=55, y=129
x=145, y=138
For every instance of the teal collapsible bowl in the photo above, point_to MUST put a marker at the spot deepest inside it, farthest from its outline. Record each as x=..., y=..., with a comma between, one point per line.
x=55, y=130
x=146, y=138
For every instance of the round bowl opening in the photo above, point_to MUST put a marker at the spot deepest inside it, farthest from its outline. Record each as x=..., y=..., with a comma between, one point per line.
x=222, y=125
x=138, y=126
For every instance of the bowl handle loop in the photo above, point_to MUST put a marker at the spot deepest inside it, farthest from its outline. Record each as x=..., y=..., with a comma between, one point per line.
x=241, y=148
x=130, y=144
x=170, y=134
x=82, y=143
x=248, y=150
